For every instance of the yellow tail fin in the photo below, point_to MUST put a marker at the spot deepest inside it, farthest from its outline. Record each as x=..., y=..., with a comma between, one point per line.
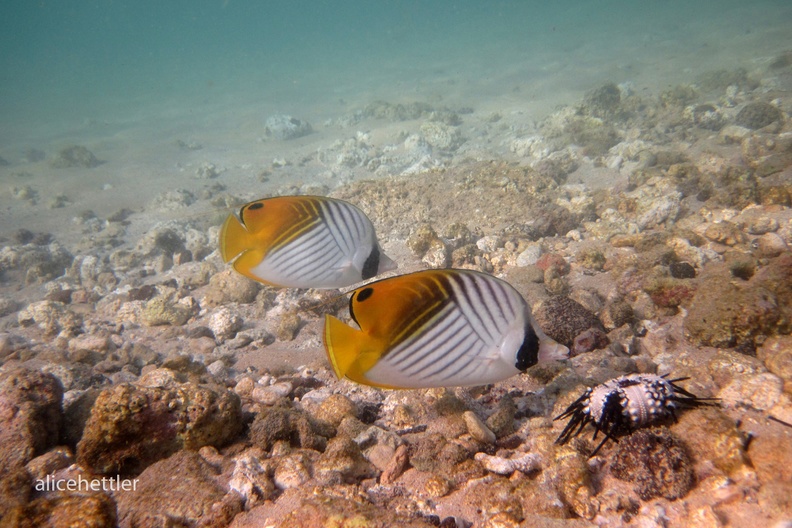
x=234, y=238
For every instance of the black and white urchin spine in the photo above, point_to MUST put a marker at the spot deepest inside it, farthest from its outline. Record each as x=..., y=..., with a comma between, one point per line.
x=623, y=404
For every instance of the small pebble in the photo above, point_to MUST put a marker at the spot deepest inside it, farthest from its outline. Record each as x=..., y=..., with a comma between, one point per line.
x=244, y=386
x=478, y=429
x=529, y=256
x=488, y=244
x=770, y=245
x=217, y=369
x=682, y=270
x=271, y=394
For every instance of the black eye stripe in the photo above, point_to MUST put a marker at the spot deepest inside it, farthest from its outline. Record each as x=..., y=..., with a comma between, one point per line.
x=256, y=205
x=360, y=296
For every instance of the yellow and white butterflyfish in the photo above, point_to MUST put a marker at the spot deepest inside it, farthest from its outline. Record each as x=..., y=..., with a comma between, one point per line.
x=437, y=328
x=303, y=242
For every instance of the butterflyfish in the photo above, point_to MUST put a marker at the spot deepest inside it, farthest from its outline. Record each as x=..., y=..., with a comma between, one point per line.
x=437, y=328
x=303, y=242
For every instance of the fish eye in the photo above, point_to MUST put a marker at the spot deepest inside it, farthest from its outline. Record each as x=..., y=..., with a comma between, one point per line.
x=364, y=294
x=256, y=205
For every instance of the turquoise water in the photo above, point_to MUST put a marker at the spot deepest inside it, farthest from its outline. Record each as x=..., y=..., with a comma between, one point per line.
x=65, y=64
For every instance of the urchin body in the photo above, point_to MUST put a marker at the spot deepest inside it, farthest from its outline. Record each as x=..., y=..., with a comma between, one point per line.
x=626, y=403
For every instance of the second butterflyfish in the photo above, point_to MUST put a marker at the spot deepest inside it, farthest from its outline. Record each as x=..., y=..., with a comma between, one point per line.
x=437, y=328
x=303, y=242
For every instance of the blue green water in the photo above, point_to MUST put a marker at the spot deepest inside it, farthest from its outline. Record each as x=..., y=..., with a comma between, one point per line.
x=62, y=63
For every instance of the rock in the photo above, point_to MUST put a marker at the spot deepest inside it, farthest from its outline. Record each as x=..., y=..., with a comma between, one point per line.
x=396, y=466
x=30, y=413
x=714, y=438
x=616, y=314
x=527, y=463
x=529, y=256
x=437, y=255
x=217, y=369
x=341, y=506
x=725, y=314
x=441, y=136
x=705, y=116
x=286, y=127
x=770, y=245
x=228, y=286
x=434, y=454
x=766, y=154
x=776, y=353
x=16, y=486
x=554, y=262
x=293, y=470
x=342, y=461
x=497, y=500
x=76, y=410
x=193, y=495
x=74, y=156
x=92, y=343
x=758, y=114
x=759, y=391
x=284, y=423
x=272, y=394
x=682, y=270
x=207, y=171
x=728, y=365
x=334, y=409
x=95, y=510
x=224, y=324
x=50, y=462
x=478, y=429
x=501, y=422
x=776, y=277
x=51, y=316
x=563, y=319
x=725, y=233
x=162, y=310
x=131, y=426
x=286, y=326
x=7, y=307
x=251, y=480
x=656, y=462
x=732, y=134
x=602, y=102
x=588, y=340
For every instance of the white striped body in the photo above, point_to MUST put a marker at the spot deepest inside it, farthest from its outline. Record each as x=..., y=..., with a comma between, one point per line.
x=435, y=328
x=307, y=242
x=472, y=340
x=333, y=252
